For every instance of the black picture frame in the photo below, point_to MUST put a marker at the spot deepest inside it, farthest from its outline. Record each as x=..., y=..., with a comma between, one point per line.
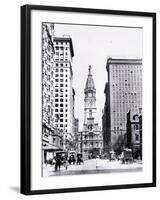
x=25, y=183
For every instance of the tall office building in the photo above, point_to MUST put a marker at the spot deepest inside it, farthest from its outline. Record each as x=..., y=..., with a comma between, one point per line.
x=63, y=111
x=124, y=93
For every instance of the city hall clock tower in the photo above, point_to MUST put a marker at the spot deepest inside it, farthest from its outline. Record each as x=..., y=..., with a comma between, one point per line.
x=90, y=139
x=90, y=111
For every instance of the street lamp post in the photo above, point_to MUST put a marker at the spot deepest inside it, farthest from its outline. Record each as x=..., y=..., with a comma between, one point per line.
x=81, y=142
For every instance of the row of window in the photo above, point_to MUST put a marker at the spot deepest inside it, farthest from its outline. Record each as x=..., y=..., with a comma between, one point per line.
x=61, y=85
x=132, y=83
x=48, y=97
x=61, y=90
x=124, y=67
x=127, y=96
x=123, y=90
x=92, y=138
x=61, y=120
x=119, y=101
x=61, y=43
x=61, y=58
x=61, y=100
x=60, y=75
x=123, y=109
x=61, y=95
x=60, y=80
x=125, y=103
x=125, y=73
x=61, y=125
x=61, y=105
x=61, y=110
x=61, y=65
x=127, y=86
x=60, y=48
x=129, y=78
x=61, y=54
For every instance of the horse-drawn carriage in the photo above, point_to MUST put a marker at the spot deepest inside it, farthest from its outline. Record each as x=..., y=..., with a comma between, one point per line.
x=60, y=159
x=72, y=157
x=75, y=158
x=62, y=155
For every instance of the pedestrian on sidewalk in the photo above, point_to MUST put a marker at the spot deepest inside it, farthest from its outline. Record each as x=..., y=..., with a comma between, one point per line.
x=58, y=163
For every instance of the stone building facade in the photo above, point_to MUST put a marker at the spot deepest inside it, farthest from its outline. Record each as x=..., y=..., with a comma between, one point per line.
x=52, y=138
x=134, y=134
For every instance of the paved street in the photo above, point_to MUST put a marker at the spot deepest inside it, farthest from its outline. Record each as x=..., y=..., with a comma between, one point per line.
x=94, y=166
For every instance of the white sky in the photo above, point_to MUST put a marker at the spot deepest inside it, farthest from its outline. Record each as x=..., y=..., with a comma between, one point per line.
x=92, y=45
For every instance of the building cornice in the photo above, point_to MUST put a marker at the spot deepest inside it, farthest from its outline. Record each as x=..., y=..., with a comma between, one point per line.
x=117, y=61
x=65, y=39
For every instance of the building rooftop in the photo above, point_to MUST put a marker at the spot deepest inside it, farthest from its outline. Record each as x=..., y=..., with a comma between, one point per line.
x=65, y=39
x=123, y=61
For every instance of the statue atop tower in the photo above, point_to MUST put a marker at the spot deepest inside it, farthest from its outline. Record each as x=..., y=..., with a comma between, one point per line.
x=89, y=69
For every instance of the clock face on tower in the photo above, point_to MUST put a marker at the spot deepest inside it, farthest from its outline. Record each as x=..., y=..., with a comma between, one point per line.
x=89, y=94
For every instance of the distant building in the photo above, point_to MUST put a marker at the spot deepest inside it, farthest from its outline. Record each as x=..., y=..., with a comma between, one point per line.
x=90, y=140
x=106, y=121
x=123, y=94
x=134, y=134
x=76, y=126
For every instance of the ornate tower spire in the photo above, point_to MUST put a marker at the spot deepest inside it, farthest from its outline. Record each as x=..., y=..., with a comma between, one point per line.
x=90, y=87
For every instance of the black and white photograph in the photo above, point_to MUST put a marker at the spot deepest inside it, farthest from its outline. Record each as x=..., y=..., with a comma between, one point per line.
x=92, y=111
x=88, y=102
